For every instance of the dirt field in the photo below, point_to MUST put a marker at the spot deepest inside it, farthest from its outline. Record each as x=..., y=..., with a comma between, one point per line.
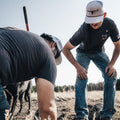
x=65, y=105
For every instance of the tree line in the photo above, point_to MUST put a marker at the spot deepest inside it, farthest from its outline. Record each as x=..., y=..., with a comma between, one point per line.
x=90, y=87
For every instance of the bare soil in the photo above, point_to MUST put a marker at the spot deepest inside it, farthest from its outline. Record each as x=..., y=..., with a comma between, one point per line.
x=65, y=105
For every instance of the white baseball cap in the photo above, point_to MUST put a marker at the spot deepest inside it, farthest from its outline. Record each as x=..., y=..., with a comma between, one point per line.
x=48, y=37
x=58, y=57
x=94, y=12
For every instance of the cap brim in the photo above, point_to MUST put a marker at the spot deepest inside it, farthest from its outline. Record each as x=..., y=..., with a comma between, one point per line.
x=90, y=20
x=58, y=60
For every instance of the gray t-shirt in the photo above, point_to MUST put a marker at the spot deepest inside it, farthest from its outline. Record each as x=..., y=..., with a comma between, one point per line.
x=24, y=55
x=91, y=40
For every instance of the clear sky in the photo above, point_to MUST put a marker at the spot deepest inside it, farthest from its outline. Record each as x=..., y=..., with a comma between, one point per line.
x=60, y=18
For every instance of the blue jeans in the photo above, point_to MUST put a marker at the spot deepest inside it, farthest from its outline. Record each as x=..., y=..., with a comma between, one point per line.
x=3, y=103
x=101, y=61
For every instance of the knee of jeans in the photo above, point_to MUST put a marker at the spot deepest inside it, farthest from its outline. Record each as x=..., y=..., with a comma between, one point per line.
x=110, y=82
x=80, y=85
x=81, y=82
x=3, y=102
x=109, y=78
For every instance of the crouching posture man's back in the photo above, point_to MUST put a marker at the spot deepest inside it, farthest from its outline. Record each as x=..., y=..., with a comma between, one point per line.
x=23, y=56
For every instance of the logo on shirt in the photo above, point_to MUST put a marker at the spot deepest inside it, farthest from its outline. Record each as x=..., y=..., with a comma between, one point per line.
x=106, y=31
x=104, y=37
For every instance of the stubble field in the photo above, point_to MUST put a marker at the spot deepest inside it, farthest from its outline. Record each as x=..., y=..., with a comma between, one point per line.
x=65, y=105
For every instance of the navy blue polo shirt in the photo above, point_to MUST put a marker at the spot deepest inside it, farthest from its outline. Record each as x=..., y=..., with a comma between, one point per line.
x=23, y=56
x=92, y=40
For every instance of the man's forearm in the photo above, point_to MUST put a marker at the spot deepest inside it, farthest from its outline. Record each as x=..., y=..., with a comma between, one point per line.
x=81, y=71
x=116, y=53
x=70, y=57
x=46, y=99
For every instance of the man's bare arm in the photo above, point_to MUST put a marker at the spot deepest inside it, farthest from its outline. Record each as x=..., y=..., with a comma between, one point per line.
x=46, y=99
x=81, y=71
x=111, y=71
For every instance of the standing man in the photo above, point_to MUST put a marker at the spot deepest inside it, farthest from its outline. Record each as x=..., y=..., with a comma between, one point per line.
x=25, y=55
x=91, y=37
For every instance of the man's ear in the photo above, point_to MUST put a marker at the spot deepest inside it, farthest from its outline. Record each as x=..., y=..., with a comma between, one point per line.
x=53, y=44
x=105, y=14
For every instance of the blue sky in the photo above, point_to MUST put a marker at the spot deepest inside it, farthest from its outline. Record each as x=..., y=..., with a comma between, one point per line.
x=60, y=18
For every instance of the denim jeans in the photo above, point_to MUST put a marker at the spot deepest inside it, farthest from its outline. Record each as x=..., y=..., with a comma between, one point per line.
x=101, y=60
x=3, y=103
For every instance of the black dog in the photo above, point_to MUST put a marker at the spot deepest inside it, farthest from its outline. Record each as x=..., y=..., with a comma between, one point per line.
x=17, y=91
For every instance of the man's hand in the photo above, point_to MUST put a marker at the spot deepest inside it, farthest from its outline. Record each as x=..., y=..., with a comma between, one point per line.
x=82, y=72
x=111, y=71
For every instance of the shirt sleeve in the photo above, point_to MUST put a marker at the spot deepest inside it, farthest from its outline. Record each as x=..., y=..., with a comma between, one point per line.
x=48, y=71
x=77, y=38
x=114, y=35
